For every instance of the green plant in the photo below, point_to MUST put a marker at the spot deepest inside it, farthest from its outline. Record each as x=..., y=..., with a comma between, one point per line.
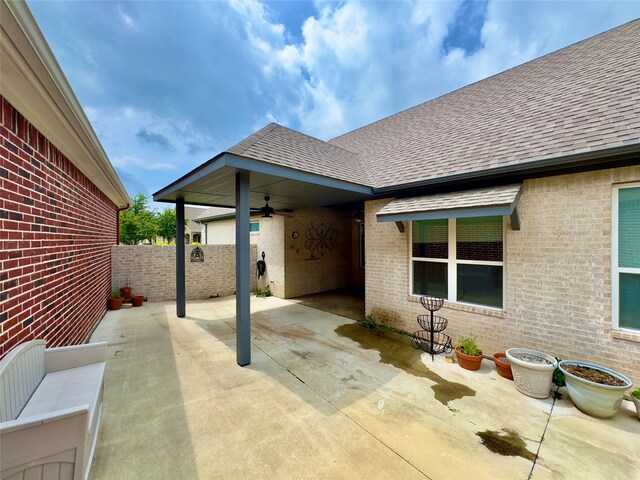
x=115, y=294
x=558, y=376
x=263, y=292
x=468, y=346
x=636, y=393
x=216, y=295
x=369, y=322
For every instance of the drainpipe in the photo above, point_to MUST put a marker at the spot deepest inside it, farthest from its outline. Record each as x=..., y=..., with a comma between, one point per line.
x=118, y=222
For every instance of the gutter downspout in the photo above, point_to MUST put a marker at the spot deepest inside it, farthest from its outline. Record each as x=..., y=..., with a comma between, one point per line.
x=118, y=222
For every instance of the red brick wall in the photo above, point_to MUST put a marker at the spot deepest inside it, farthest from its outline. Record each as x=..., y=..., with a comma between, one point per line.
x=56, y=232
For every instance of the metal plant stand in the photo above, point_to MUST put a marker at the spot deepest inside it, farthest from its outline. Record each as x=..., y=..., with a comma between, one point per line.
x=430, y=338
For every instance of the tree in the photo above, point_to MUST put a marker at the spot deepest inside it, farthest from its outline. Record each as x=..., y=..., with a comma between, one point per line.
x=167, y=224
x=139, y=222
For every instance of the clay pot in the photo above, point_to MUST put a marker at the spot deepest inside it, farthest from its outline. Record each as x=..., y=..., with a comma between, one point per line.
x=115, y=303
x=125, y=292
x=503, y=366
x=469, y=362
x=137, y=300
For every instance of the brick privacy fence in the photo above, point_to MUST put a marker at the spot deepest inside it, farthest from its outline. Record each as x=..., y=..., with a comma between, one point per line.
x=151, y=270
x=57, y=229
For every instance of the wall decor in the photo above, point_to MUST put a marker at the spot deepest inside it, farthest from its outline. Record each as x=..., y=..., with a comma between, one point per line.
x=197, y=255
x=320, y=239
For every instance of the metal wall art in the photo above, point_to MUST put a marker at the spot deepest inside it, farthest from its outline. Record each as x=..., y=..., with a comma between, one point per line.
x=197, y=255
x=320, y=239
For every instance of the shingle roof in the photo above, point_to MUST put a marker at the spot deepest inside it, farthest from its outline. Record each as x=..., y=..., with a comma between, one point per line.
x=191, y=213
x=585, y=97
x=216, y=212
x=285, y=147
x=482, y=197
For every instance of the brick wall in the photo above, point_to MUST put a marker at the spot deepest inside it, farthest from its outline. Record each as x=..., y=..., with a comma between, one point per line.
x=56, y=233
x=310, y=266
x=558, y=275
x=271, y=241
x=151, y=270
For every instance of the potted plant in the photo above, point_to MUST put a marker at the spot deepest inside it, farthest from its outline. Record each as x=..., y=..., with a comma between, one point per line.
x=503, y=366
x=468, y=354
x=532, y=371
x=125, y=292
x=635, y=397
x=115, y=301
x=137, y=300
x=594, y=389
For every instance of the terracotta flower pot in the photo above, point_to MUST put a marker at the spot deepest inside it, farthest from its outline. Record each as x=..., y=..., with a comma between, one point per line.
x=137, y=300
x=469, y=362
x=125, y=292
x=115, y=303
x=503, y=366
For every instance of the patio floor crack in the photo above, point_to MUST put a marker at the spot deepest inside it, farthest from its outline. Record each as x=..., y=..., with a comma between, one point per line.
x=347, y=416
x=533, y=465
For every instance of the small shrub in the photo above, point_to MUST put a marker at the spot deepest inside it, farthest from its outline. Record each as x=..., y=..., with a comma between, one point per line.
x=468, y=346
x=636, y=393
x=369, y=322
x=214, y=295
x=115, y=294
x=558, y=376
x=263, y=292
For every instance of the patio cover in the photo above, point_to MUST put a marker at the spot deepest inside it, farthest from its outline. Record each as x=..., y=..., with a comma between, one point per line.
x=481, y=202
x=293, y=169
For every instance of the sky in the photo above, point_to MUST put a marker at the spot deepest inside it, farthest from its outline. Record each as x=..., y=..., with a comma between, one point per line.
x=169, y=85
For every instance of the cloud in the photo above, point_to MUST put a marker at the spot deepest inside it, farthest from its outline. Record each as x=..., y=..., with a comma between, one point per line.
x=174, y=83
x=154, y=138
x=126, y=162
x=126, y=19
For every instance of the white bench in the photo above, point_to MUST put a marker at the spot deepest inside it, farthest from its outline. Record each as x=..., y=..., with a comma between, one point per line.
x=50, y=408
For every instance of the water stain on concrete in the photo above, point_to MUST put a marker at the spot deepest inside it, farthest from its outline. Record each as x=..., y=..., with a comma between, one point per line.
x=403, y=356
x=507, y=442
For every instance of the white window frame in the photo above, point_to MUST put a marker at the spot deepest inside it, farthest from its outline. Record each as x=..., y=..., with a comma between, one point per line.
x=615, y=269
x=256, y=232
x=452, y=266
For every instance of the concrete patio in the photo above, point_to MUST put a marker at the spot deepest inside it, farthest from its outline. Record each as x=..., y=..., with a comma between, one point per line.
x=325, y=398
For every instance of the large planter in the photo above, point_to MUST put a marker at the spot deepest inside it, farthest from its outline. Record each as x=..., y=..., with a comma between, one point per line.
x=503, y=366
x=469, y=362
x=532, y=371
x=595, y=399
x=636, y=402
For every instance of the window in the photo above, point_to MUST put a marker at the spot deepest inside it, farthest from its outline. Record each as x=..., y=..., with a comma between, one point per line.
x=625, y=271
x=460, y=259
x=254, y=227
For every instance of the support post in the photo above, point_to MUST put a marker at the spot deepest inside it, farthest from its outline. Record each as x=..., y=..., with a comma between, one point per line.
x=181, y=299
x=243, y=308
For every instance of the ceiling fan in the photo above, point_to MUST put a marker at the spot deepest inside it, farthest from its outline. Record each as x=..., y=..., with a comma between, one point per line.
x=267, y=211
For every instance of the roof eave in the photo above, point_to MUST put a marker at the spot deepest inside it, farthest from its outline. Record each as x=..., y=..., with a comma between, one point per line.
x=538, y=167
x=35, y=85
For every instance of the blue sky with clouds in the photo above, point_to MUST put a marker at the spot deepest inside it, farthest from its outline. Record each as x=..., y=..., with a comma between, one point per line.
x=168, y=85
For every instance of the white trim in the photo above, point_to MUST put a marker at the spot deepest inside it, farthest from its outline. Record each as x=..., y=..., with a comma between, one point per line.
x=453, y=262
x=615, y=269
